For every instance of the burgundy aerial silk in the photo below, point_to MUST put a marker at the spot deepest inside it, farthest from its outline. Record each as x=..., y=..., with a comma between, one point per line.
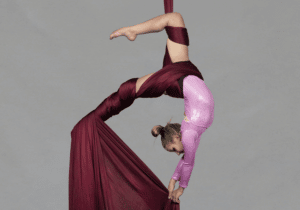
x=104, y=173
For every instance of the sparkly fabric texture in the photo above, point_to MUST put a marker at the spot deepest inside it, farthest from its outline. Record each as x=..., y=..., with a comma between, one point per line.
x=198, y=102
x=199, y=109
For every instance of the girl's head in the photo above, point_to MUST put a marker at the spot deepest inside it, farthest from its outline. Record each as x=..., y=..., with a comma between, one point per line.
x=170, y=137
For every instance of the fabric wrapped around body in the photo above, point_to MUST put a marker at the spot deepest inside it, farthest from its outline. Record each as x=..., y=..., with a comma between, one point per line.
x=104, y=172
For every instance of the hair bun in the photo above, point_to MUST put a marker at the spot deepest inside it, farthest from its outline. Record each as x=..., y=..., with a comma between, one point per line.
x=157, y=131
x=161, y=130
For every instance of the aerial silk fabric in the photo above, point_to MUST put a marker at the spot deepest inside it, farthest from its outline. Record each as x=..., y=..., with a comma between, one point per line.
x=104, y=173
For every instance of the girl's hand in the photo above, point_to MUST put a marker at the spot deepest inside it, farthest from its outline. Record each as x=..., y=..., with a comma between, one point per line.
x=176, y=194
x=171, y=187
x=125, y=31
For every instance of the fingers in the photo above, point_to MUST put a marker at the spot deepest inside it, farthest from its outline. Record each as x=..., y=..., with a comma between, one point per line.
x=174, y=198
x=170, y=195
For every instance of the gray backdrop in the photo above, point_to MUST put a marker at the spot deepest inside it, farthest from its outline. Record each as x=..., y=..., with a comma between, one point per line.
x=57, y=64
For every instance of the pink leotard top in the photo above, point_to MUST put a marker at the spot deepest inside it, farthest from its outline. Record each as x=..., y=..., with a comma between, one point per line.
x=199, y=109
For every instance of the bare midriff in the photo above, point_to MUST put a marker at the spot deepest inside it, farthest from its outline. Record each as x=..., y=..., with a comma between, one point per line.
x=185, y=118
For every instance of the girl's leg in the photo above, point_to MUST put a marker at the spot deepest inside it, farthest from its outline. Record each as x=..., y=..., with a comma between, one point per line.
x=156, y=24
x=177, y=52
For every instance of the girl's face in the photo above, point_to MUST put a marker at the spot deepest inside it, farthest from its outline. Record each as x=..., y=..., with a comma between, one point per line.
x=176, y=146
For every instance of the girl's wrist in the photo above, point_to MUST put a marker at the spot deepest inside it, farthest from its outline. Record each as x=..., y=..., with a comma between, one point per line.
x=173, y=180
x=181, y=188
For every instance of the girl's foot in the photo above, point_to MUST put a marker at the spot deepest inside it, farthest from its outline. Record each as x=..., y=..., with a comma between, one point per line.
x=125, y=31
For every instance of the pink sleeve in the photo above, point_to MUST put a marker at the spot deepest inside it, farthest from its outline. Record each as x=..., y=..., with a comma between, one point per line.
x=185, y=167
x=177, y=172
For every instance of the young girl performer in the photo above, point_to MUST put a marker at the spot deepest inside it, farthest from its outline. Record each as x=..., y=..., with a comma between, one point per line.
x=104, y=172
x=198, y=102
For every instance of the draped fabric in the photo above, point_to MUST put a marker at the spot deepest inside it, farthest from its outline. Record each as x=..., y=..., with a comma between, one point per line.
x=104, y=173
